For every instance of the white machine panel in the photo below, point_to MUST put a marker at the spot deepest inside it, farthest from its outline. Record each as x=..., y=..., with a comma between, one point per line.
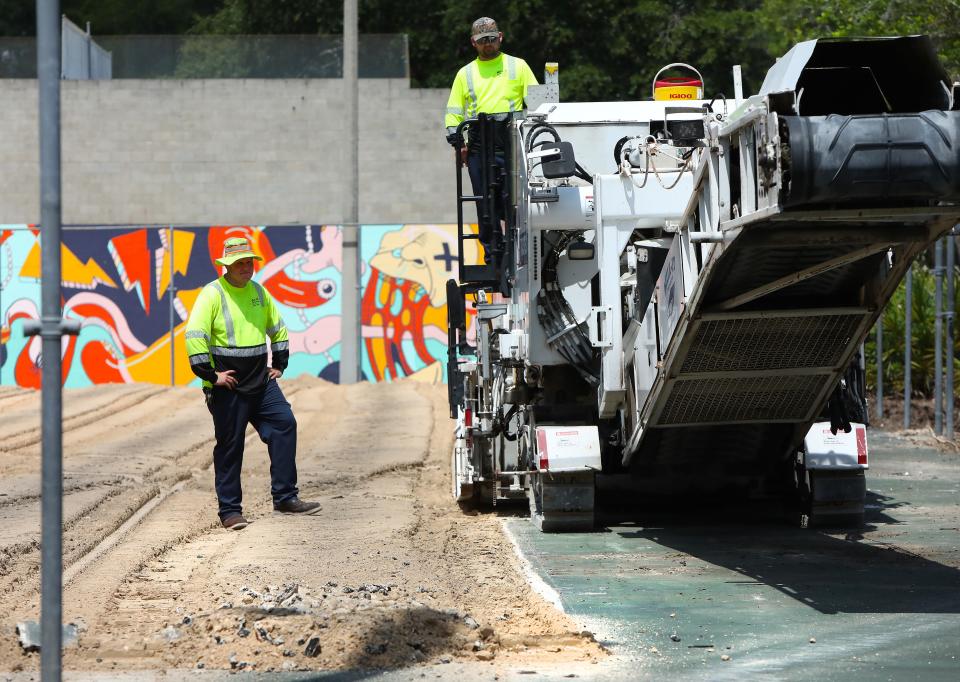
x=568, y=448
x=646, y=357
x=670, y=295
x=825, y=450
x=650, y=206
x=572, y=210
x=513, y=345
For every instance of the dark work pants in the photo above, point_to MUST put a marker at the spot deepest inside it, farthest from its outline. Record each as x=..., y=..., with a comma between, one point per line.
x=271, y=416
x=476, y=179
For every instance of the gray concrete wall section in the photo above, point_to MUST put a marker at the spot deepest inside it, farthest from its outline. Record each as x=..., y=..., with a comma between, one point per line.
x=229, y=151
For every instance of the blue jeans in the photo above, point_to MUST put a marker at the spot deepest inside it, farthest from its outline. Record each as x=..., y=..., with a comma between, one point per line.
x=271, y=416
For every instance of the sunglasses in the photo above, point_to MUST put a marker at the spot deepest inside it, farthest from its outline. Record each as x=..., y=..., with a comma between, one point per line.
x=488, y=39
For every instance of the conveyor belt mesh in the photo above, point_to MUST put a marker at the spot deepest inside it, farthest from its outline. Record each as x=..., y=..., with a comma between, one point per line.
x=730, y=400
x=770, y=343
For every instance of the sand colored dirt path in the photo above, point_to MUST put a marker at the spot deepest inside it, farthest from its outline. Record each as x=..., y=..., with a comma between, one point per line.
x=391, y=573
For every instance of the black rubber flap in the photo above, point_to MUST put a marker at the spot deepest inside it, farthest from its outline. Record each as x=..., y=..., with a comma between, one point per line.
x=874, y=158
x=872, y=75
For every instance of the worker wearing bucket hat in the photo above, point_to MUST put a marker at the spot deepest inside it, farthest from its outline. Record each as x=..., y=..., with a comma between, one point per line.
x=226, y=341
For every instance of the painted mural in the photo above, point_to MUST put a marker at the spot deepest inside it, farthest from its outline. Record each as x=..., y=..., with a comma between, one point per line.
x=133, y=287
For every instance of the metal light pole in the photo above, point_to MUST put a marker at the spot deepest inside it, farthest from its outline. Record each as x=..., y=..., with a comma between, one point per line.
x=908, y=334
x=350, y=291
x=50, y=327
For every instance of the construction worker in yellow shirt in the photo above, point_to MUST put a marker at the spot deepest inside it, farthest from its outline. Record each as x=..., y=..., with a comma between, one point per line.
x=226, y=340
x=493, y=83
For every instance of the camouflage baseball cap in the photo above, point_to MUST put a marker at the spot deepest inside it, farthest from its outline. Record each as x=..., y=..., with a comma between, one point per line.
x=485, y=27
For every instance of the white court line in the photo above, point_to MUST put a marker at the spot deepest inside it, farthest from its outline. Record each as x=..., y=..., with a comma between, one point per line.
x=536, y=582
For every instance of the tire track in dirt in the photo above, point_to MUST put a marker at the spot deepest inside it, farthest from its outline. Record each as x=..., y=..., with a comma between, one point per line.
x=12, y=395
x=140, y=427
x=17, y=432
x=192, y=455
x=137, y=478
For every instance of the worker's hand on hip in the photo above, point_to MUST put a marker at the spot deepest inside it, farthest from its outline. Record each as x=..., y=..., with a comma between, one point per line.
x=226, y=379
x=275, y=373
x=463, y=156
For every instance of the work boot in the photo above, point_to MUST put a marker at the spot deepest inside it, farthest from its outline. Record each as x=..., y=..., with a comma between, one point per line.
x=296, y=506
x=235, y=522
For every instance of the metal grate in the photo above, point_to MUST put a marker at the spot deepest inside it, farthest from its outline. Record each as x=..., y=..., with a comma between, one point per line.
x=711, y=401
x=770, y=343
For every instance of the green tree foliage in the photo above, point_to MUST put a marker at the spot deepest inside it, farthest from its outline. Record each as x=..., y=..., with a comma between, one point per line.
x=607, y=50
x=790, y=21
x=130, y=17
x=17, y=18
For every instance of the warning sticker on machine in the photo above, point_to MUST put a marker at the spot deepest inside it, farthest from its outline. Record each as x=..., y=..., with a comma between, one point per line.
x=567, y=448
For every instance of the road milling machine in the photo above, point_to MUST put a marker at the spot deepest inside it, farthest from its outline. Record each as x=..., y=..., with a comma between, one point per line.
x=676, y=291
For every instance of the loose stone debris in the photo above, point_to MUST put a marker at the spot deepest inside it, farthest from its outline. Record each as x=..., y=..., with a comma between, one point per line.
x=29, y=634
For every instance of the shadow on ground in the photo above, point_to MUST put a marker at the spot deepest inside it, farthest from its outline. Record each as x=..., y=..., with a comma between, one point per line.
x=400, y=639
x=845, y=572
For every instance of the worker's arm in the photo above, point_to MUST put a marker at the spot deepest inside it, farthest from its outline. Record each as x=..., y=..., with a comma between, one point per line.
x=279, y=338
x=199, y=328
x=456, y=106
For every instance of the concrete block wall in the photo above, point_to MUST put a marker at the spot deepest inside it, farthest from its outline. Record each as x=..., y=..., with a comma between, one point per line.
x=229, y=151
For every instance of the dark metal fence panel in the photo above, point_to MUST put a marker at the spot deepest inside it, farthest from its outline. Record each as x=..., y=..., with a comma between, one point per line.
x=240, y=56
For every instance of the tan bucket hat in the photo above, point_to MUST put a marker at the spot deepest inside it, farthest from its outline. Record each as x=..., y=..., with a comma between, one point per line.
x=236, y=248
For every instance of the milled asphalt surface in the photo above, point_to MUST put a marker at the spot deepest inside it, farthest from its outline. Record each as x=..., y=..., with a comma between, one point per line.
x=671, y=597
x=881, y=602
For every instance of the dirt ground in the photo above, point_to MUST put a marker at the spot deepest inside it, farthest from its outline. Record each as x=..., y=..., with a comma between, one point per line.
x=391, y=573
x=921, y=429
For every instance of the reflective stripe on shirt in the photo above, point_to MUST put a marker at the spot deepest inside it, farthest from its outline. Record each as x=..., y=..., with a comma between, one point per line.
x=248, y=352
x=511, y=75
x=227, y=317
x=473, y=102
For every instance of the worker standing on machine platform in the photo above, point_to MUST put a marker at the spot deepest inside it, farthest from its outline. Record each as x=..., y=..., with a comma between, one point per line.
x=226, y=341
x=493, y=83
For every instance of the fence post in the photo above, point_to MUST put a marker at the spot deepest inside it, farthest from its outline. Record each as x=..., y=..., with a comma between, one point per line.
x=173, y=294
x=948, y=318
x=938, y=338
x=880, y=366
x=908, y=334
x=350, y=325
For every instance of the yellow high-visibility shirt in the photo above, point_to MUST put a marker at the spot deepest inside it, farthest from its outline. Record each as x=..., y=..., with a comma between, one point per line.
x=228, y=329
x=495, y=86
